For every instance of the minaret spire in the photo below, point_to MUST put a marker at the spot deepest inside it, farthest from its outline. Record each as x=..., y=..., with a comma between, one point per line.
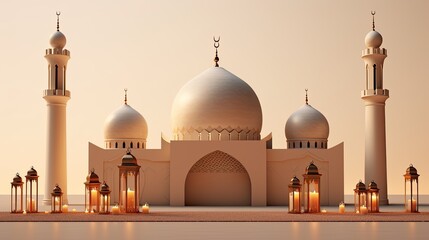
x=58, y=21
x=125, y=100
x=373, y=20
x=216, y=45
x=306, y=96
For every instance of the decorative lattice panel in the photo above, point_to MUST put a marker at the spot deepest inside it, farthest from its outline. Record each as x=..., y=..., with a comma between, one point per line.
x=218, y=162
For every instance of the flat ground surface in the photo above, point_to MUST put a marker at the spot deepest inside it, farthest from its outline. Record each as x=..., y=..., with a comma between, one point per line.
x=226, y=214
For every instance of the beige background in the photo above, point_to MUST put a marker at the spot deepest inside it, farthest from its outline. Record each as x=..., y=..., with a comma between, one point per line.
x=154, y=47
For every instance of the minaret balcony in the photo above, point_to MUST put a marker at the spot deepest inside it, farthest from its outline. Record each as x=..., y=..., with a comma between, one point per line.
x=375, y=92
x=56, y=92
x=51, y=51
x=369, y=51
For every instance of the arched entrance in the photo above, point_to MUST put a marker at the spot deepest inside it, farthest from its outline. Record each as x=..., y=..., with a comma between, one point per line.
x=218, y=179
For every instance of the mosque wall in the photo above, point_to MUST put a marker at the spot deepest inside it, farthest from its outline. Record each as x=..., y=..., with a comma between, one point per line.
x=284, y=164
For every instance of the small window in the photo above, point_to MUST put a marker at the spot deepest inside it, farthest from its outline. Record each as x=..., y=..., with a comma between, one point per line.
x=131, y=145
x=138, y=145
x=293, y=144
x=315, y=144
x=116, y=145
x=123, y=144
x=308, y=144
x=300, y=144
x=322, y=144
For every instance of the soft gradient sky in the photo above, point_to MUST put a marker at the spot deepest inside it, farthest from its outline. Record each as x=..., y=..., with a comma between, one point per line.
x=154, y=47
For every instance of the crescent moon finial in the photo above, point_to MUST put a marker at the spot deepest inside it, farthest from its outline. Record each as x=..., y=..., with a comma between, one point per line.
x=216, y=45
x=306, y=96
x=125, y=100
x=58, y=20
x=373, y=21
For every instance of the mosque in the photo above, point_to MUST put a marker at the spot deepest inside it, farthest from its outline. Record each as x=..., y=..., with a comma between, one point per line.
x=216, y=155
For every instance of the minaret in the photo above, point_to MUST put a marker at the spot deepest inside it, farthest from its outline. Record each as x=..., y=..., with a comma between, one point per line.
x=56, y=97
x=375, y=97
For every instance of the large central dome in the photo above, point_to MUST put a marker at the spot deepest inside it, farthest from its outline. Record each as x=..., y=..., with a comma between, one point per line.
x=216, y=105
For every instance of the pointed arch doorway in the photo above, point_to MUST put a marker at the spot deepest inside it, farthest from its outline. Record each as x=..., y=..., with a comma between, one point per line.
x=218, y=179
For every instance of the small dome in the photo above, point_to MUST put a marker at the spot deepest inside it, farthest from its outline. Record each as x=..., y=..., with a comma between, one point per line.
x=125, y=123
x=32, y=172
x=373, y=186
x=17, y=179
x=411, y=171
x=217, y=99
x=360, y=186
x=312, y=169
x=129, y=160
x=92, y=177
x=104, y=188
x=294, y=182
x=57, y=190
x=373, y=39
x=58, y=40
x=307, y=123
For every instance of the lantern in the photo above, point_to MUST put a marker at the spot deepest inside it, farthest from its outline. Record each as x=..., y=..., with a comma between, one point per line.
x=294, y=195
x=16, y=196
x=32, y=191
x=56, y=200
x=129, y=184
x=104, y=199
x=92, y=192
x=411, y=189
x=373, y=201
x=360, y=198
x=311, y=190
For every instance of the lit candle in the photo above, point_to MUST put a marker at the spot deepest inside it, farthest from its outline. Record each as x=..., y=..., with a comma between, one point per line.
x=130, y=199
x=145, y=208
x=31, y=207
x=373, y=202
x=74, y=210
x=25, y=212
x=363, y=210
x=115, y=209
x=341, y=208
x=93, y=198
x=412, y=205
x=65, y=208
x=314, y=201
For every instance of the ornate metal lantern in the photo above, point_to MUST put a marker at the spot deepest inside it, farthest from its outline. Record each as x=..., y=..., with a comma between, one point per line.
x=92, y=192
x=129, y=184
x=56, y=200
x=32, y=191
x=360, y=198
x=295, y=195
x=411, y=189
x=104, y=199
x=373, y=201
x=16, y=196
x=311, y=189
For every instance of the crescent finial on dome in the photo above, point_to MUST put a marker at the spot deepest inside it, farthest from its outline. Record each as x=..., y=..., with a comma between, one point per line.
x=58, y=20
x=373, y=20
x=125, y=99
x=216, y=45
x=306, y=96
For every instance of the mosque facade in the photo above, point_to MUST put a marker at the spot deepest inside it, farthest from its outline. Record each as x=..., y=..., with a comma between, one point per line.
x=216, y=155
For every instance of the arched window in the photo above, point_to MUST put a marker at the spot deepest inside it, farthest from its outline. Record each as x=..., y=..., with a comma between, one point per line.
x=138, y=145
x=116, y=145
x=308, y=144
x=322, y=144
x=293, y=144
x=56, y=77
x=315, y=144
x=123, y=145
x=375, y=76
x=300, y=144
x=131, y=145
